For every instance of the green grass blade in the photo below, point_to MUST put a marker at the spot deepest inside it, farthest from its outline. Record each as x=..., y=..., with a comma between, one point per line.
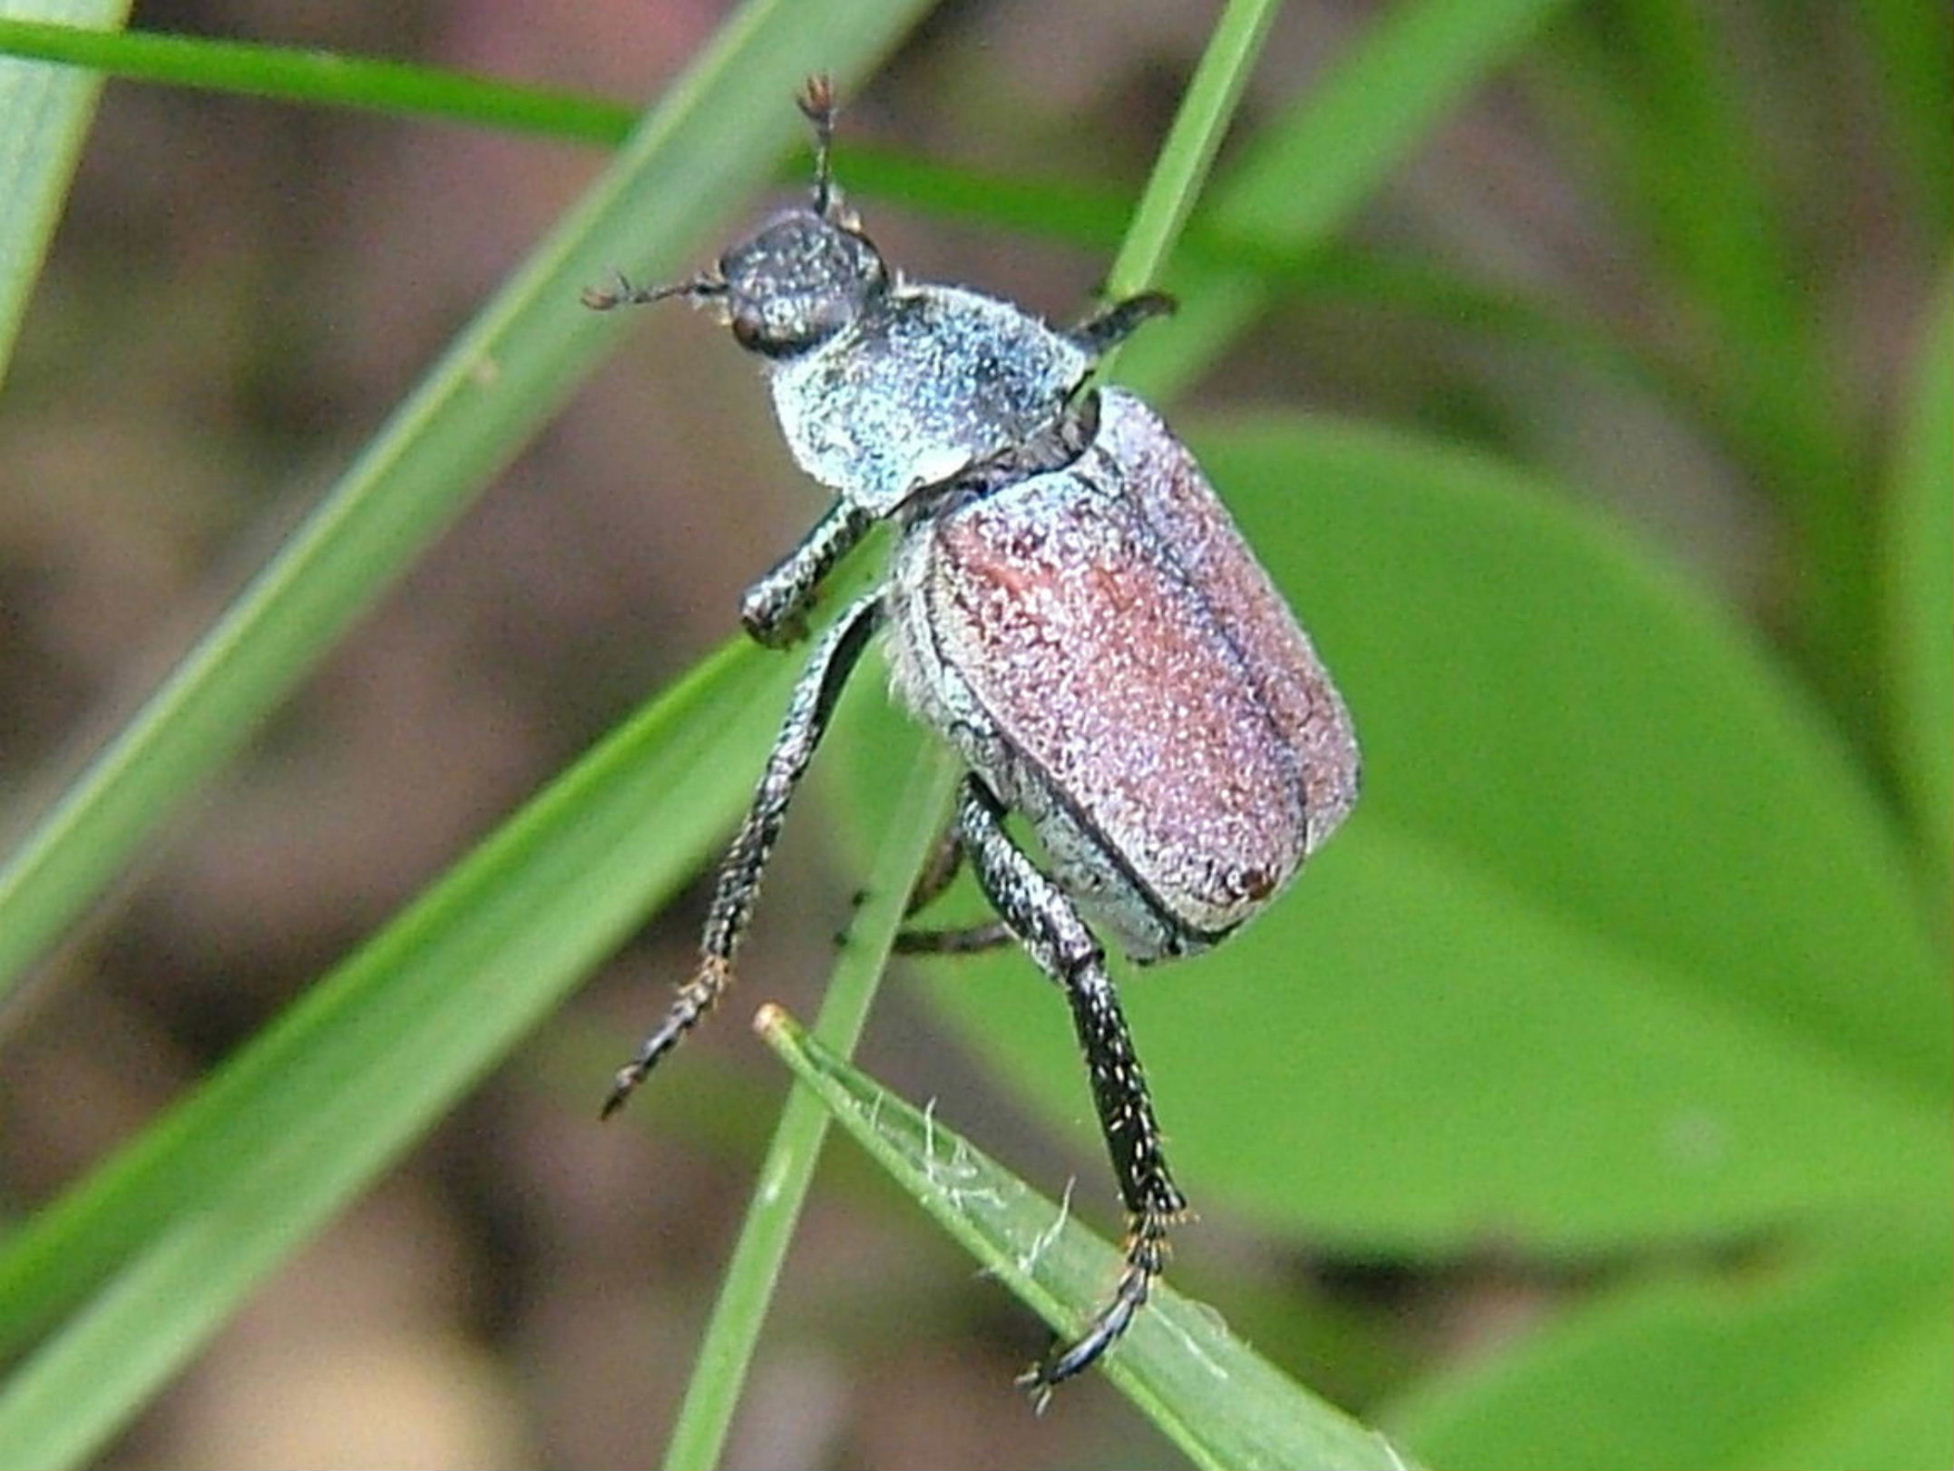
x=1695, y=170
x=189, y=1217
x=295, y=74
x=744, y=1295
x=1311, y=170
x=1207, y=1390
x=44, y=114
x=1087, y=217
x=708, y=142
x=1189, y=151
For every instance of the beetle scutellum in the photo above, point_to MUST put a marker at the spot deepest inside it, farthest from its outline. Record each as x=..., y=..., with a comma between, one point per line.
x=1069, y=605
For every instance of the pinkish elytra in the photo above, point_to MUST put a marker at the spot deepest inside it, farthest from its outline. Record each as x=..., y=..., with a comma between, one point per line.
x=1069, y=605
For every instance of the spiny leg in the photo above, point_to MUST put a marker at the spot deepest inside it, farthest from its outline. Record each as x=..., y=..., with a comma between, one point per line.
x=740, y=872
x=1105, y=330
x=774, y=610
x=1052, y=933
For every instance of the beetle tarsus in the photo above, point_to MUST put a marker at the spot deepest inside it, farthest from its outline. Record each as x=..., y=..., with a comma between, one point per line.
x=694, y=999
x=1146, y=1259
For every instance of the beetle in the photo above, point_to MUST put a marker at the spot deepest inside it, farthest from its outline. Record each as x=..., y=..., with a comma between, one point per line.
x=1069, y=605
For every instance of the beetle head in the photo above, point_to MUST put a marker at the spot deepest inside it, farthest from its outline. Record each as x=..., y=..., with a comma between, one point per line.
x=797, y=281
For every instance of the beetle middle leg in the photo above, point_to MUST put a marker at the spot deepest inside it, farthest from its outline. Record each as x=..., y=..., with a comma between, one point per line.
x=945, y=863
x=1049, y=927
x=740, y=872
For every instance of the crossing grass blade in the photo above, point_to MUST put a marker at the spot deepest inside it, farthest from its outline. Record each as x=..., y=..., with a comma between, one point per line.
x=1219, y=1401
x=694, y=157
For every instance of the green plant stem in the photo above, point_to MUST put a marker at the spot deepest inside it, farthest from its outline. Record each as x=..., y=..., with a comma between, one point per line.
x=44, y=116
x=1192, y=142
x=785, y=1174
x=296, y=74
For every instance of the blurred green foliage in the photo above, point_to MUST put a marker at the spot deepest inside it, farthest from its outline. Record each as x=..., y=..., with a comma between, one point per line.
x=1632, y=967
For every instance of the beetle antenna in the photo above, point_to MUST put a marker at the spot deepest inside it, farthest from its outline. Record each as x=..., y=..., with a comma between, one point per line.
x=817, y=102
x=623, y=293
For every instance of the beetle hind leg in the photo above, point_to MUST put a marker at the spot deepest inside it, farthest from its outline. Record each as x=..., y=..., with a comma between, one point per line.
x=1047, y=924
x=745, y=864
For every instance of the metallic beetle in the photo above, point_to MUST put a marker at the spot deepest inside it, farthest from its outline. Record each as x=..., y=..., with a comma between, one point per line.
x=1069, y=605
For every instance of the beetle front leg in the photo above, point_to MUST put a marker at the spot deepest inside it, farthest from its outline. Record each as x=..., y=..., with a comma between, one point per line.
x=740, y=872
x=774, y=609
x=1105, y=330
x=1049, y=927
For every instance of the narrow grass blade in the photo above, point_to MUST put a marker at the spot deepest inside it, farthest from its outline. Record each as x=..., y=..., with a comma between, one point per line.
x=1918, y=587
x=1911, y=41
x=1206, y=1389
x=744, y=1295
x=1311, y=170
x=1186, y=156
x=188, y=1218
x=44, y=114
x=295, y=74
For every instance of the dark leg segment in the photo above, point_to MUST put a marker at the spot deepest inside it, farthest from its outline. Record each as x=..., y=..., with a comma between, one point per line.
x=945, y=863
x=1053, y=934
x=970, y=941
x=774, y=610
x=808, y=713
x=1101, y=333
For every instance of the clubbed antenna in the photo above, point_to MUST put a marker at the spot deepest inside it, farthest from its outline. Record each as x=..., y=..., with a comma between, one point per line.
x=699, y=288
x=817, y=101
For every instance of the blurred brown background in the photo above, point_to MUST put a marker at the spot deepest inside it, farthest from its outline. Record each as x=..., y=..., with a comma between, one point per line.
x=239, y=294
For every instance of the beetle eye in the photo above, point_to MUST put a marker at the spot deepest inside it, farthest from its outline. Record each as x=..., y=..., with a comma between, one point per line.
x=749, y=332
